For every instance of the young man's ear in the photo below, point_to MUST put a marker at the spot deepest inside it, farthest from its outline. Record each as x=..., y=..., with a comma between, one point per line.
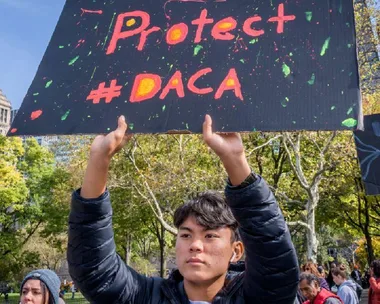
x=238, y=251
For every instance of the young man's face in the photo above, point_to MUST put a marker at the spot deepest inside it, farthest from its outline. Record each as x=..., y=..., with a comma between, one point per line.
x=202, y=255
x=309, y=291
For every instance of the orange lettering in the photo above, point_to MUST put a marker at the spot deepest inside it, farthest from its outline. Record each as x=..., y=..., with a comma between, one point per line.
x=247, y=27
x=221, y=29
x=191, y=84
x=177, y=33
x=175, y=83
x=231, y=82
x=201, y=22
x=118, y=34
x=145, y=86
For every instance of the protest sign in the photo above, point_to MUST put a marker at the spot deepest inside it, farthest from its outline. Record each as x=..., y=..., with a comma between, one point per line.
x=368, y=148
x=265, y=65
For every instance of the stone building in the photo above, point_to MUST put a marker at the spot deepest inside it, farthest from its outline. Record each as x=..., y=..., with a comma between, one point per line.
x=5, y=114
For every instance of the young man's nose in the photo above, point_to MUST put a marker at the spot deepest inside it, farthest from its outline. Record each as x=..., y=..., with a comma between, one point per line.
x=196, y=245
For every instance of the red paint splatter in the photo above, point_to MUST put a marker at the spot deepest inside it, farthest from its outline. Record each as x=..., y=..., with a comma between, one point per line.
x=99, y=12
x=35, y=114
x=80, y=42
x=14, y=130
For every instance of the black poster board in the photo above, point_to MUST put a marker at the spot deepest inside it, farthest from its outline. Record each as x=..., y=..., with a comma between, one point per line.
x=368, y=148
x=266, y=65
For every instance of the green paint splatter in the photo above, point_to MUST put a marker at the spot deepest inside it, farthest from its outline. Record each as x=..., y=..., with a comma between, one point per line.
x=242, y=60
x=93, y=73
x=197, y=48
x=285, y=102
x=290, y=54
x=253, y=41
x=131, y=126
x=286, y=69
x=340, y=7
x=294, y=122
x=257, y=57
x=89, y=53
x=333, y=108
x=48, y=84
x=309, y=16
x=108, y=129
x=350, y=123
x=163, y=108
x=349, y=111
x=325, y=46
x=96, y=26
x=72, y=61
x=61, y=46
x=109, y=29
x=36, y=94
x=312, y=79
x=187, y=126
x=64, y=116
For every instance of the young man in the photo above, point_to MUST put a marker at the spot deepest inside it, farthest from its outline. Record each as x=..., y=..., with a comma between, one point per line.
x=207, y=240
x=312, y=291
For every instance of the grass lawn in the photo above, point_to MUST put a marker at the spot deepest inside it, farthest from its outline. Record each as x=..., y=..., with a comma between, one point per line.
x=79, y=299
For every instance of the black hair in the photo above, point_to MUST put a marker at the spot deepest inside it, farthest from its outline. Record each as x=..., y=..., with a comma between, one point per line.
x=375, y=265
x=210, y=210
x=309, y=277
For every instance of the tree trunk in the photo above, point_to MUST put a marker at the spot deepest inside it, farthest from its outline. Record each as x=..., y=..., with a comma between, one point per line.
x=311, y=237
x=128, y=249
x=162, y=252
x=370, y=254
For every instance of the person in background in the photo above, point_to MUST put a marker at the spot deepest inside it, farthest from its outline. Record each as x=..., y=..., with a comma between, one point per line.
x=356, y=275
x=40, y=287
x=312, y=291
x=73, y=290
x=374, y=283
x=329, y=279
x=346, y=288
x=310, y=267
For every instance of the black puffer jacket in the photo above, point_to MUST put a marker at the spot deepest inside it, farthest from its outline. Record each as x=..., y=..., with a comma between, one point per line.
x=271, y=273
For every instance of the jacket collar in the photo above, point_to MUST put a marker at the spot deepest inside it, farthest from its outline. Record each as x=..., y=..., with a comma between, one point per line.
x=174, y=289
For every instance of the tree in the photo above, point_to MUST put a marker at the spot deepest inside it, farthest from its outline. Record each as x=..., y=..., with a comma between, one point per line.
x=24, y=169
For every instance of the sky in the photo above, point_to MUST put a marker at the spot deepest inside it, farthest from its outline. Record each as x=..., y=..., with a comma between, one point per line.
x=26, y=27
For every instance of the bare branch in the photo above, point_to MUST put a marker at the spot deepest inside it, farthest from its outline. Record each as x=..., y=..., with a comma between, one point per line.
x=153, y=202
x=300, y=223
x=263, y=145
x=276, y=192
x=297, y=169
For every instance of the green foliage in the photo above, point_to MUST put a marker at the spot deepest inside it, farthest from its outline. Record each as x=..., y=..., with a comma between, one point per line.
x=24, y=168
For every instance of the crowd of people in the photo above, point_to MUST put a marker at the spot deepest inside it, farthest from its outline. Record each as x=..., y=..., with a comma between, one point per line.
x=338, y=285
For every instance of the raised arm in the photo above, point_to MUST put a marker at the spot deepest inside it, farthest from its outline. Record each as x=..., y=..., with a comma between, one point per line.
x=271, y=264
x=95, y=267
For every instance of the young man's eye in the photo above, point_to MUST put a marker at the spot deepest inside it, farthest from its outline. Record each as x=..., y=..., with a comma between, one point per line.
x=211, y=236
x=185, y=236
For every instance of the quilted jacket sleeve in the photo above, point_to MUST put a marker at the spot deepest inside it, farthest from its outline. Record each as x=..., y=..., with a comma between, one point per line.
x=271, y=264
x=96, y=269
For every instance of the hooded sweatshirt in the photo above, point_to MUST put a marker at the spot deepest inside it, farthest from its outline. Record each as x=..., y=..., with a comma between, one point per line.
x=347, y=292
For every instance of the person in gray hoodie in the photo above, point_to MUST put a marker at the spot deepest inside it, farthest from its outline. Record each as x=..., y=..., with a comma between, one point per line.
x=346, y=288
